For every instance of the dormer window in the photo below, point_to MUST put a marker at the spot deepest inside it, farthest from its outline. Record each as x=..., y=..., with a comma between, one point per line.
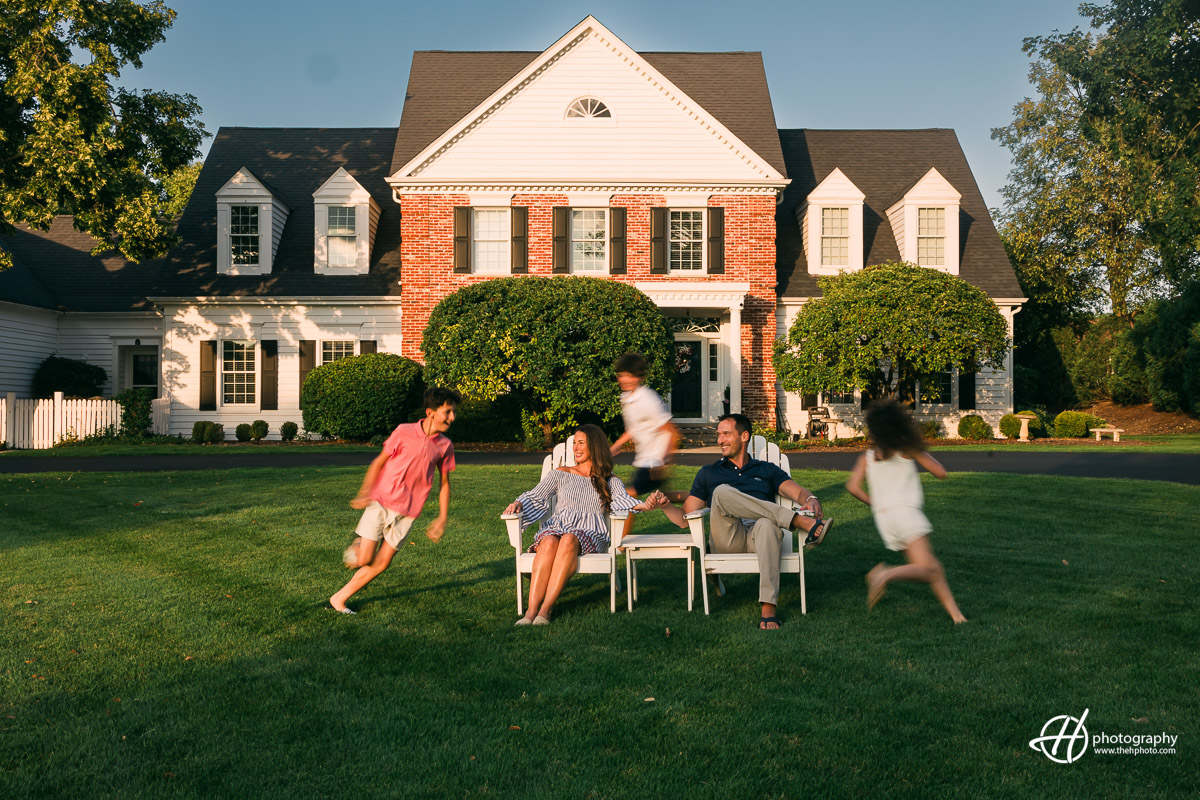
x=925, y=223
x=346, y=216
x=343, y=241
x=243, y=235
x=588, y=108
x=250, y=220
x=831, y=219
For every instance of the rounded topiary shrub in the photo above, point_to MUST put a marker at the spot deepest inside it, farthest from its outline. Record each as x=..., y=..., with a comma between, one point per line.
x=357, y=398
x=932, y=429
x=974, y=427
x=72, y=378
x=1071, y=425
x=243, y=432
x=258, y=430
x=288, y=430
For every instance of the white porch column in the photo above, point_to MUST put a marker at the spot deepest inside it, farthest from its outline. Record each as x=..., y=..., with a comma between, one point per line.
x=735, y=357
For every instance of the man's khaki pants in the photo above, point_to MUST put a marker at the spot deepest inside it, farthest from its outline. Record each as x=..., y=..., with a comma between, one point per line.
x=729, y=535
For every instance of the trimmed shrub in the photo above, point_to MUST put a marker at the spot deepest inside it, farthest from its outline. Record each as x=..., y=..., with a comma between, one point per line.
x=136, y=417
x=378, y=439
x=259, y=430
x=932, y=429
x=357, y=398
x=207, y=432
x=480, y=420
x=72, y=378
x=550, y=343
x=974, y=427
x=288, y=430
x=243, y=432
x=1071, y=425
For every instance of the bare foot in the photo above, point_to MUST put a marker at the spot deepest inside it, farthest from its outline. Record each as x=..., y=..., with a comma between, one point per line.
x=959, y=619
x=876, y=584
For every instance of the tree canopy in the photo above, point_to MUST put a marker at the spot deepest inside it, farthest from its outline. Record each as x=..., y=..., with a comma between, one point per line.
x=550, y=341
x=887, y=327
x=71, y=140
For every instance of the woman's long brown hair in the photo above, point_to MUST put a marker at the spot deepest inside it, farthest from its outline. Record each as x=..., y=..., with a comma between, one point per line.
x=602, y=462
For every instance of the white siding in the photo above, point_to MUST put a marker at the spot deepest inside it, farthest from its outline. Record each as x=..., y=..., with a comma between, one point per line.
x=649, y=137
x=27, y=336
x=97, y=337
x=188, y=326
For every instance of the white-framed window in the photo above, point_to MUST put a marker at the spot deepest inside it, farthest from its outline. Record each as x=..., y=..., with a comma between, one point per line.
x=931, y=237
x=336, y=349
x=588, y=108
x=243, y=236
x=839, y=398
x=238, y=372
x=491, y=240
x=589, y=240
x=343, y=236
x=686, y=240
x=941, y=384
x=835, y=237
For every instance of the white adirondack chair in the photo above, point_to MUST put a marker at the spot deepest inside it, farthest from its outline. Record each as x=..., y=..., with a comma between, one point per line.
x=791, y=555
x=591, y=563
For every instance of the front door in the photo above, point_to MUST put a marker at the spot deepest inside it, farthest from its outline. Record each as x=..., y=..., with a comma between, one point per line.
x=687, y=388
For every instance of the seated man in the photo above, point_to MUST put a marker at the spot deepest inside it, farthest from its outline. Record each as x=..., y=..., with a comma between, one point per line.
x=741, y=492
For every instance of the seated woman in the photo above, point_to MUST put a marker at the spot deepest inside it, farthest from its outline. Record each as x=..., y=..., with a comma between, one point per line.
x=583, y=494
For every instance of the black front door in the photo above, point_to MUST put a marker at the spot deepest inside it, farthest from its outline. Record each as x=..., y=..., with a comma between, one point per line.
x=687, y=390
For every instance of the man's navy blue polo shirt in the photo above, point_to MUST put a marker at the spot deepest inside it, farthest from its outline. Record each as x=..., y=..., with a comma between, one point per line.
x=760, y=479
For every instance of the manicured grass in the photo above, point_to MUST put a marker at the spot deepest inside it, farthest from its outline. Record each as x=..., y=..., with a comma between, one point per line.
x=1163, y=443
x=187, y=449
x=164, y=636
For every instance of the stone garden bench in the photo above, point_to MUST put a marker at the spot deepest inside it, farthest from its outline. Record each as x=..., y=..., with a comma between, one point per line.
x=1116, y=433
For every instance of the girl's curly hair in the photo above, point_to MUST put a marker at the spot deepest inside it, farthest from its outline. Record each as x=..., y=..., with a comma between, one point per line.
x=893, y=429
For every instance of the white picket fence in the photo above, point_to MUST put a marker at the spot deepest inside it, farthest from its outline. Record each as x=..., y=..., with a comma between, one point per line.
x=27, y=424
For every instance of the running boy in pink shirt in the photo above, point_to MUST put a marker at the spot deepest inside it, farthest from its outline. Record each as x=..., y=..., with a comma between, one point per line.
x=395, y=489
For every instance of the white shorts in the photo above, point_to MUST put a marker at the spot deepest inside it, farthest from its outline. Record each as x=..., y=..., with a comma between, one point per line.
x=378, y=523
x=901, y=525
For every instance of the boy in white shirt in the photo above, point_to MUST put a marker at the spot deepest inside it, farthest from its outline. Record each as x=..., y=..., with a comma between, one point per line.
x=647, y=423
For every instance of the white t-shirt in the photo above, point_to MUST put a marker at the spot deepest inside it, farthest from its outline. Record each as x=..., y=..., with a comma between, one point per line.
x=645, y=415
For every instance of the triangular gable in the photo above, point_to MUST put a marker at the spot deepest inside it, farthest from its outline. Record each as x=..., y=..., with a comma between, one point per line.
x=655, y=128
x=243, y=185
x=342, y=186
x=836, y=188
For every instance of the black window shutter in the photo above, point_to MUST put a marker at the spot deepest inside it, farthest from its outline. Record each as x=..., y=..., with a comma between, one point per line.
x=462, y=238
x=208, y=376
x=520, y=240
x=366, y=346
x=308, y=360
x=716, y=240
x=966, y=391
x=616, y=241
x=562, y=263
x=658, y=241
x=270, y=374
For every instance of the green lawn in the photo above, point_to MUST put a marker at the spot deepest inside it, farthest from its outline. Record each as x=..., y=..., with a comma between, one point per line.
x=1162, y=443
x=188, y=449
x=165, y=636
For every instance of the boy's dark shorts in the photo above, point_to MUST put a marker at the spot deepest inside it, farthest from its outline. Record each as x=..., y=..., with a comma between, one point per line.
x=644, y=480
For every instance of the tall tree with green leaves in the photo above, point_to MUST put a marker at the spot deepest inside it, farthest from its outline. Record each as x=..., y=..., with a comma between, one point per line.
x=71, y=140
x=1138, y=78
x=1070, y=218
x=887, y=327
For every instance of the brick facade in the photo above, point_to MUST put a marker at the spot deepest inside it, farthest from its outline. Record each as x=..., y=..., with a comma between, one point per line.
x=427, y=256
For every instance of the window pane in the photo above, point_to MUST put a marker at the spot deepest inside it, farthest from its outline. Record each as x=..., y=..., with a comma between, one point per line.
x=237, y=368
x=931, y=222
x=341, y=221
x=492, y=249
x=243, y=234
x=491, y=256
x=931, y=252
x=835, y=222
x=687, y=240
x=335, y=350
x=145, y=369
x=491, y=224
x=343, y=251
x=588, y=240
x=938, y=390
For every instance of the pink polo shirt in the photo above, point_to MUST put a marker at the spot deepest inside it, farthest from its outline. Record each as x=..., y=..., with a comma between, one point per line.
x=407, y=476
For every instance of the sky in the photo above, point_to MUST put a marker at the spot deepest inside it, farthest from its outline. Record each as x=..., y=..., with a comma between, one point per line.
x=850, y=64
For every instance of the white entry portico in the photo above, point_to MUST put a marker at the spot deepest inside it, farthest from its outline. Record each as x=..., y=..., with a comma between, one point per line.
x=722, y=300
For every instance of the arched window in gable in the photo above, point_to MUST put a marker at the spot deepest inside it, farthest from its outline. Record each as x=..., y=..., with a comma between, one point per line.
x=588, y=108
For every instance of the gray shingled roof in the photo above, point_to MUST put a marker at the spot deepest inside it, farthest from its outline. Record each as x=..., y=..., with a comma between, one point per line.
x=882, y=164
x=443, y=87
x=55, y=269
x=294, y=162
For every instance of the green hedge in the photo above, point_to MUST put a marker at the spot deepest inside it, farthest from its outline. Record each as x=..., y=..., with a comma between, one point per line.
x=974, y=427
x=72, y=378
x=207, y=432
x=496, y=420
x=1075, y=424
x=357, y=398
x=136, y=416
